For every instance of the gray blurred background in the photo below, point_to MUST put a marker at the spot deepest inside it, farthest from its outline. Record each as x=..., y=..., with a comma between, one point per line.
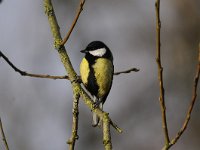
x=36, y=113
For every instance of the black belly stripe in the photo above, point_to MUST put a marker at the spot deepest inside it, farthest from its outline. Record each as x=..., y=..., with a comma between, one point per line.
x=91, y=86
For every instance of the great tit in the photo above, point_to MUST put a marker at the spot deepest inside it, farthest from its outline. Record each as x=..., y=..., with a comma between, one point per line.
x=96, y=70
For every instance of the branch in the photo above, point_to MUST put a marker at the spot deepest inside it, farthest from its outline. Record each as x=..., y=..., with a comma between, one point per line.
x=49, y=11
x=160, y=73
x=80, y=9
x=194, y=96
x=3, y=135
x=24, y=73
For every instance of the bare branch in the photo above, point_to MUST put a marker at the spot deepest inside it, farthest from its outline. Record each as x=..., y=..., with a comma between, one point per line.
x=194, y=96
x=160, y=73
x=24, y=73
x=49, y=11
x=3, y=135
x=80, y=9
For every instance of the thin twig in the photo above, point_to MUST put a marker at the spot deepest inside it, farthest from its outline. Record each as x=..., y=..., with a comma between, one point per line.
x=3, y=135
x=160, y=73
x=116, y=127
x=127, y=71
x=80, y=9
x=24, y=73
x=194, y=96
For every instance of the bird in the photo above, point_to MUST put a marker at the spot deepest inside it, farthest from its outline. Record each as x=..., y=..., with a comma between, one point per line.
x=96, y=72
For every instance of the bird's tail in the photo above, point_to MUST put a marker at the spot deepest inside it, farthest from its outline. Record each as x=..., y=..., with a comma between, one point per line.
x=96, y=120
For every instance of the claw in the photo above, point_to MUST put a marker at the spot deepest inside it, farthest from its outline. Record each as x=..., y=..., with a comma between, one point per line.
x=96, y=104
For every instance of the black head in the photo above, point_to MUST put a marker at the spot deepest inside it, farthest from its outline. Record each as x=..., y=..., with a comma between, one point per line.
x=97, y=49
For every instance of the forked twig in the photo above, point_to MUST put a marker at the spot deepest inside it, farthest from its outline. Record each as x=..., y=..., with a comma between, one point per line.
x=194, y=96
x=168, y=142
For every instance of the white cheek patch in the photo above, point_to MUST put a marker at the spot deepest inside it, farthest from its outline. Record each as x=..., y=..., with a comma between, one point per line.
x=99, y=52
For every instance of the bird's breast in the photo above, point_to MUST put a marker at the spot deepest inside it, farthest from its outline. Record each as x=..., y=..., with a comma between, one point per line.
x=103, y=72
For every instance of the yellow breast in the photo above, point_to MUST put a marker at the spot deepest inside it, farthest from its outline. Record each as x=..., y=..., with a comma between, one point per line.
x=103, y=69
x=103, y=73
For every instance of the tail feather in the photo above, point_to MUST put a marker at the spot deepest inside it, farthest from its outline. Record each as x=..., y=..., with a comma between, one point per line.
x=95, y=119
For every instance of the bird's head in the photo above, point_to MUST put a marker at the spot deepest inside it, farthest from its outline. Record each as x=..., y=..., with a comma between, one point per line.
x=97, y=49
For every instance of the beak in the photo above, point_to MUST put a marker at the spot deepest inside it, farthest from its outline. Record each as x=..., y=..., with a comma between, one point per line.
x=84, y=51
